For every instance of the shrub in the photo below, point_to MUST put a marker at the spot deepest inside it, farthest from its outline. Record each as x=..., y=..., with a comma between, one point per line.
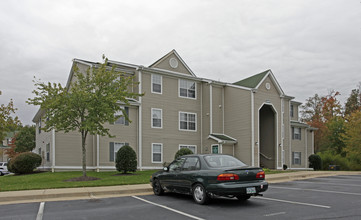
x=315, y=161
x=329, y=158
x=182, y=151
x=24, y=163
x=126, y=160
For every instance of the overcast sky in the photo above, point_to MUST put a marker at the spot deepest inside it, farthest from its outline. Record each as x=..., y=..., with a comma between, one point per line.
x=310, y=46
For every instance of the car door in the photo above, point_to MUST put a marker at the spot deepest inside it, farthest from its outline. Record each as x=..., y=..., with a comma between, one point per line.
x=170, y=178
x=188, y=174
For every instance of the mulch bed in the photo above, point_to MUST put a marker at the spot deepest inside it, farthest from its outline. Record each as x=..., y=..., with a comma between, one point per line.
x=82, y=178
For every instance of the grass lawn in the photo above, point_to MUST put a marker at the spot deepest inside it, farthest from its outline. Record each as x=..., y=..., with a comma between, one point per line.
x=48, y=180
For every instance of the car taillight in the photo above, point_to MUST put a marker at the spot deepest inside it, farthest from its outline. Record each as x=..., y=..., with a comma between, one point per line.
x=260, y=175
x=227, y=177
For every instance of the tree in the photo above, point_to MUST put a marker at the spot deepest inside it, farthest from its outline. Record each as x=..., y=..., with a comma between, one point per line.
x=11, y=151
x=336, y=128
x=126, y=160
x=353, y=102
x=7, y=121
x=25, y=139
x=352, y=135
x=90, y=101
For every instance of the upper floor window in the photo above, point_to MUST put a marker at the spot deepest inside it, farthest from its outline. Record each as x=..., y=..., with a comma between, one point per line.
x=190, y=147
x=121, y=120
x=187, y=121
x=156, y=118
x=291, y=111
x=39, y=125
x=296, y=133
x=156, y=83
x=187, y=89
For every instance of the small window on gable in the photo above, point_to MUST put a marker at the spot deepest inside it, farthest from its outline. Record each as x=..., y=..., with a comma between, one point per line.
x=156, y=83
x=187, y=89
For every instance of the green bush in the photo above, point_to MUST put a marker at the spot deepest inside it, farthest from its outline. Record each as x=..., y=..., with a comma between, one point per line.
x=315, y=161
x=329, y=158
x=126, y=160
x=24, y=163
x=181, y=152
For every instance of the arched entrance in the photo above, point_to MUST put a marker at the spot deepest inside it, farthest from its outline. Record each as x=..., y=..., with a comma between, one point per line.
x=267, y=138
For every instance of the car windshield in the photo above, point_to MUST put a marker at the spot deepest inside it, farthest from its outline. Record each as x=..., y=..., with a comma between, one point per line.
x=218, y=161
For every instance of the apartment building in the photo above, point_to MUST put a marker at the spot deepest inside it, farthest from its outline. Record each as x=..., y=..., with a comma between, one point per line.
x=252, y=119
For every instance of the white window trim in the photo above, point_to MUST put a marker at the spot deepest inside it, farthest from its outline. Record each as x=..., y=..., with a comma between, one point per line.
x=195, y=89
x=161, y=117
x=188, y=145
x=161, y=84
x=161, y=153
x=179, y=127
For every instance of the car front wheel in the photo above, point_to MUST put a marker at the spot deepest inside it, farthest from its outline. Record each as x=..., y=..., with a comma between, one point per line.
x=157, y=188
x=199, y=194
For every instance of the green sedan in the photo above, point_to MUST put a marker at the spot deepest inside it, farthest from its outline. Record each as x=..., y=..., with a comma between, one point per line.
x=206, y=176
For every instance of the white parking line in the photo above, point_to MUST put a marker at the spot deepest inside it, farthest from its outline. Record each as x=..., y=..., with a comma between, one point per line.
x=297, y=203
x=41, y=211
x=336, y=184
x=277, y=213
x=165, y=207
x=318, y=190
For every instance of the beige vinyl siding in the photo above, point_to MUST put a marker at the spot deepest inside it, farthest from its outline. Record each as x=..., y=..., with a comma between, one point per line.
x=123, y=134
x=41, y=141
x=165, y=65
x=299, y=146
x=68, y=149
x=272, y=97
x=217, y=109
x=171, y=104
x=237, y=120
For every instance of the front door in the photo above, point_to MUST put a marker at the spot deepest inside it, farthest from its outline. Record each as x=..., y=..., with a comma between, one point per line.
x=215, y=149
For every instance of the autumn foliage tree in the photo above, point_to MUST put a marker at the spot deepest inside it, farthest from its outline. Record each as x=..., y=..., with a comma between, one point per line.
x=87, y=104
x=7, y=121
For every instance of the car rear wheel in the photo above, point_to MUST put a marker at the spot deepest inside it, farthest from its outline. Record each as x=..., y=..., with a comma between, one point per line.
x=199, y=194
x=157, y=188
x=243, y=197
x=1, y=173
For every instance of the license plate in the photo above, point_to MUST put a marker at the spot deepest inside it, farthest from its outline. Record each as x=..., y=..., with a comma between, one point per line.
x=251, y=190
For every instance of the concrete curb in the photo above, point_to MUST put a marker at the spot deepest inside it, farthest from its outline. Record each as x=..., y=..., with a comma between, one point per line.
x=28, y=196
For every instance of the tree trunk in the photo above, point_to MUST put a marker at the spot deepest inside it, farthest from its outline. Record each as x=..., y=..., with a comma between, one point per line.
x=83, y=139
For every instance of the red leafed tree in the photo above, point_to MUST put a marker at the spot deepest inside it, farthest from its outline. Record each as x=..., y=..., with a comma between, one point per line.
x=11, y=151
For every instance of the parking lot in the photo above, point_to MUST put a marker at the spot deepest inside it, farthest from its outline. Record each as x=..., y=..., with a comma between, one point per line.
x=337, y=197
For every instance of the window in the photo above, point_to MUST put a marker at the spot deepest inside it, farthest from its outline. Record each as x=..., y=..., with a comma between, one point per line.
x=296, y=133
x=291, y=111
x=193, y=148
x=157, y=118
x=187, y=89
x=176, y=165
x=156, y=83
x=39, y=126
x=157, y=153
x=39, y=151
x=215, y=149
x=121, y=120
x=187, y=121
x=296, y=158
x=191, y=163
x=219, y=161
x=113, y=149
x=47, y=152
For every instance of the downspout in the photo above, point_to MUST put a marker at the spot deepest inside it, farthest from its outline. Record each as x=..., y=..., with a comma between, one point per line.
x=306, y=145
x=210, y=109
x=290, y=134
x=140, y=121
x=282, y=131
x=252, y=127
x=53, y=151
x=223, y=107
x=201, y=99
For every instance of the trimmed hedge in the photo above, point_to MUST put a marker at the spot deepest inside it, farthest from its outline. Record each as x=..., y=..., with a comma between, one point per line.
x=181, y=152
x=24, y=163
x=315, y=161
x=126, y=160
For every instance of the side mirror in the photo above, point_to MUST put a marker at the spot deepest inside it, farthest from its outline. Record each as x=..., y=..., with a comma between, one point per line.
x=165, y=169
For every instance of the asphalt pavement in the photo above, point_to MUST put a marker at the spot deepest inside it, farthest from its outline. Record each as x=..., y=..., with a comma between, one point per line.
x=29, y=196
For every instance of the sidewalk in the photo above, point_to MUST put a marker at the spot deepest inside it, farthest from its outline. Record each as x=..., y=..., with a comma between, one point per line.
x=13, y=197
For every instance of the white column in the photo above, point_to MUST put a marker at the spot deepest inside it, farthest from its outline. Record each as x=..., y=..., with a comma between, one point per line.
x=53, y=151
x=140, y=122
x=252, y=128
x=98, y=153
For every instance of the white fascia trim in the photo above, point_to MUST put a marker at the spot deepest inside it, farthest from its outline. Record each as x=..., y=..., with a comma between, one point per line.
x=184, y=64
x=239, y=87
x=123, y=64
x=169, y=72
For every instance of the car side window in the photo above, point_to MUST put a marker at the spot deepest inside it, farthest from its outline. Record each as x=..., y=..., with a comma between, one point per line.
x=192, y=163
x=176, y=165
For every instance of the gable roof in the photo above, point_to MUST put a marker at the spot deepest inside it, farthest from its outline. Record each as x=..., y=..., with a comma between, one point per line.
x=222, y=138
x=172, y=52
x=253, y=81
